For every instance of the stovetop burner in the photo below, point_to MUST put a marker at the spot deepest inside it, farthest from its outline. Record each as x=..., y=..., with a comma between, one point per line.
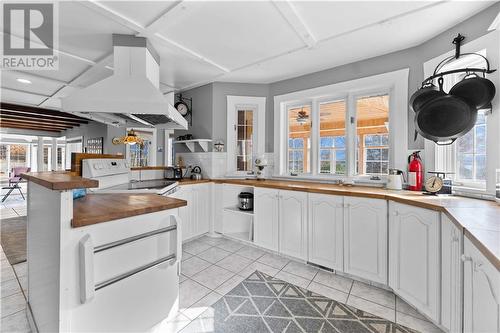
x=143, y=185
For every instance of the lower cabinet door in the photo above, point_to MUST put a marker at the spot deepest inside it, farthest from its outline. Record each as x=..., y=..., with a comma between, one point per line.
x=186, y=212
x=365, y=238
x=201, y=209
x=481, y=292
x=266, y=205
x=414, y=271
x=325, y=226
x=293, y=224
x=451, y=275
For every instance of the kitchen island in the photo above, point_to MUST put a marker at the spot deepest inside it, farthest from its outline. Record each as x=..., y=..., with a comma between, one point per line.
x=93, y=261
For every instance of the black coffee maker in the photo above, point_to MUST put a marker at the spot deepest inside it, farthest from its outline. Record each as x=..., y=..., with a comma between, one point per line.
x=174, y=173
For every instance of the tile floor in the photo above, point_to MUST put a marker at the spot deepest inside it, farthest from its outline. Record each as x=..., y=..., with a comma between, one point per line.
x=211, y=267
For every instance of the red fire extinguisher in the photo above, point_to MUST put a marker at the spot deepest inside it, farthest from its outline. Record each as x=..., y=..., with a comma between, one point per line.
x=415, y=172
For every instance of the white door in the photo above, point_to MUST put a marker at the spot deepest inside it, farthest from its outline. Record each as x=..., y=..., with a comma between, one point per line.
x=481, y=292
x=293, y=224
x=201, y=209
x=365, y=238
x=451, y=275
x=325, y=225
x=266, y=218
x=414, y=272
x=186, y=212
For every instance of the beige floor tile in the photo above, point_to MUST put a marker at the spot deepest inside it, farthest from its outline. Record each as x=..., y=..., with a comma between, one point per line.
x=212, y=277
x=257, y=266
x=16, y=322
x=7, y=273
x=300, y=269
x=12, y=304
x=21, y=269
x=251, y=252
x=202, y=305
x=234, y=263
x=374, y=294
x=293, y=279
x=191, y=292
x=230, y=245
x=229, y=284
x=416, y=324
x=213, y=254
x=373, y=308
x=9, y=287
x=205, y=323
x=186, y=256
x=210, y=240
x=195, y=246
x=333, y=281
x=193, y=266
x=274, y=260
x=402, y=306
x=172, y=325
x=332, y=293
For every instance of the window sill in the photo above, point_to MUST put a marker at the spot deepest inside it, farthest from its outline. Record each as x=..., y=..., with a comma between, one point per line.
x=470, y=192
x=358, y=180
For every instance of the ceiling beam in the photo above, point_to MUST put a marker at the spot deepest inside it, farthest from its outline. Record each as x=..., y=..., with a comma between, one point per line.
x=24, y=115
x=291, y=14
x=30, y=127
x=34, y=122
x=15, y=117
x=39, y=111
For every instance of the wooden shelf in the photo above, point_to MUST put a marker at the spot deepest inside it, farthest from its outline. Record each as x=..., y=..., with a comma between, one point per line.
x=236, y=210
x=191, y=144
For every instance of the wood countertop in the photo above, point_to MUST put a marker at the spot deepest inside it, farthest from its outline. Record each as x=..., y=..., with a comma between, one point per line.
x=479, y=219
x=188, y=181
x=97, y=208
x=159, y=167
x=60, y=181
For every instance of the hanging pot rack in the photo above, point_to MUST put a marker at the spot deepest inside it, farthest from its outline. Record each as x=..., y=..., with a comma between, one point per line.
x=458, y=41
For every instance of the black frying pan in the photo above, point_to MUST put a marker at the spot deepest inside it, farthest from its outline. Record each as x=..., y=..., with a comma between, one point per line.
x=445, y=118
x=423, y=95
x=479, y=91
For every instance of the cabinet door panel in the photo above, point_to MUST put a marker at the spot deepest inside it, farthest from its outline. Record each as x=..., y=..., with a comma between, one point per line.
x=365, y=238
x=266, y=218
x=414, y=257
x=325, y=223
x=201, y=209
x=481, y=292
x=186, y=212
x=292, y=224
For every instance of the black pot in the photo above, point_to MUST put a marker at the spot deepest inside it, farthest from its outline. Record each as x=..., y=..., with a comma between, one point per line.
x=423, y=95
x=477, y=90
x=445, y=118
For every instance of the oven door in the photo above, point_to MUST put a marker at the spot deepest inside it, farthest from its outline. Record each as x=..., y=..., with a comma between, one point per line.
x=130, y=282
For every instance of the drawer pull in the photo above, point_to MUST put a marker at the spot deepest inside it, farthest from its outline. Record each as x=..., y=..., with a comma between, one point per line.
x=120, y=277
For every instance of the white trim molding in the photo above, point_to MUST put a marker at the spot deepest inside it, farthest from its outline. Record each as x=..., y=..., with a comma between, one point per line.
x=393, y=83
x=258, y=104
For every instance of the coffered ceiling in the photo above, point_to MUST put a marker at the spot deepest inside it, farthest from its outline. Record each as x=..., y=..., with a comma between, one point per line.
x=236, y=41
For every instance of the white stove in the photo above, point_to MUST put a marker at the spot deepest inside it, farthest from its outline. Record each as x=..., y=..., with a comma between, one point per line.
x=114, y=177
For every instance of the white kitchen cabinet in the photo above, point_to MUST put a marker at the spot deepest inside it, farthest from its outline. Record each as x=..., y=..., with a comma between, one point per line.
x=451, y=275
x=218, y=206
x=414, y=257
x=185, y=192
x=293, y=224
x=365, y=238
x=202, y=208
x=266, y=218
x=325, y=226
x=481, y=292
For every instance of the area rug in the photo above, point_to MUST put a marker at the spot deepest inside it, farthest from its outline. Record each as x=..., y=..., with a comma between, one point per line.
x=13, y=239
x=262, y=303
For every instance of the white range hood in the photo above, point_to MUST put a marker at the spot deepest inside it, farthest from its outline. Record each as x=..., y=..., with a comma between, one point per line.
x=132, y=90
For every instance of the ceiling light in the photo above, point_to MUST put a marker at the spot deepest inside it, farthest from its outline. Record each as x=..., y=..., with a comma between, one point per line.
x=130, y=139
x=25, y=81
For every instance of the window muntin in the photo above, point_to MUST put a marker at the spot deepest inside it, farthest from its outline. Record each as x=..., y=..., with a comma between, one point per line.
x=332, y=143
x=244, y=137
x=299, y=127
x=471, y=153
x=372, y=130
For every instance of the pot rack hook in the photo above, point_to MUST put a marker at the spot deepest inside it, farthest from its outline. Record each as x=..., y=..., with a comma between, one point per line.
x=458, y=42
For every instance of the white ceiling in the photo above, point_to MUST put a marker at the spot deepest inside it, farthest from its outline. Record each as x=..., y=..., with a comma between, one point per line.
x=238, y=41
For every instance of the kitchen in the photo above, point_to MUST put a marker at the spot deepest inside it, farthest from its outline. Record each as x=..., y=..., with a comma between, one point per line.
x=306, y=174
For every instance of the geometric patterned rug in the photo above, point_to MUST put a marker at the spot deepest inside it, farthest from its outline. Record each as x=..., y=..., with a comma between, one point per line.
x=262, y=303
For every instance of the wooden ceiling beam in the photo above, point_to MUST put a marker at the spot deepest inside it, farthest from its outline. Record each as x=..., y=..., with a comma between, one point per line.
x=38, y=111
x=11, y=123
x=21, y=114
x=18, y=117
x=34, y=128
x=34, y=122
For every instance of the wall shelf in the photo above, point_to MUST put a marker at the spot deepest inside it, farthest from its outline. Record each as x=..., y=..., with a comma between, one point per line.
x=191, y=144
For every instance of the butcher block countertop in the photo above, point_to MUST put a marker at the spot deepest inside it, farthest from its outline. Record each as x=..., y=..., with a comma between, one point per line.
x=97, y=208
x=479, y=219
x=60, y=180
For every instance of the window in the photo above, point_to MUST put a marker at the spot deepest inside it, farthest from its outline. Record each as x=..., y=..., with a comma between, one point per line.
x=471, y=153
x=299, y=137
x=244, y=133
x=142, y=154
x=372, y=129
x=345, y=129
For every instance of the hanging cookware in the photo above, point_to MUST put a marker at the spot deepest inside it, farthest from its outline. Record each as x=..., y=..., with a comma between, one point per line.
x=477, y=90
x=427, y=92
x=445, y=118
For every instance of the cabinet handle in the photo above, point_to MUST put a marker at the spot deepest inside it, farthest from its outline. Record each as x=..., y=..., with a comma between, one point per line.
x=395, y=213
x=465, y=258
x=455, y=239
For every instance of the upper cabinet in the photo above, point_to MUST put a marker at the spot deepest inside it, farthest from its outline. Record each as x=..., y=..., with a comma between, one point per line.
x=414, y=256
x=481, y=292
x=293, y=224
x=326, y=218
x=365, y=238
